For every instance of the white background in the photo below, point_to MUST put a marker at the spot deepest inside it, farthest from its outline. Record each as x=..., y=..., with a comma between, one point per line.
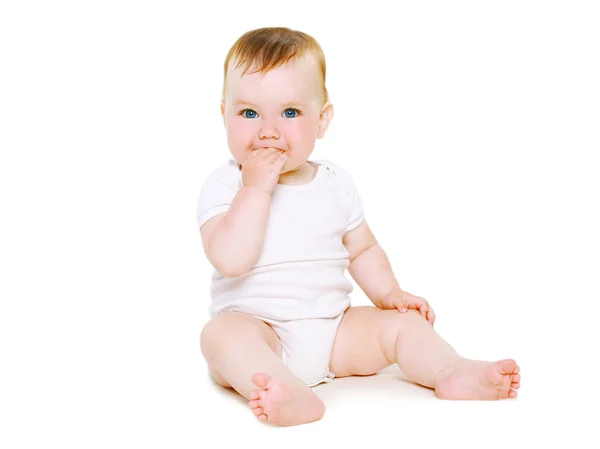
x=470, y=128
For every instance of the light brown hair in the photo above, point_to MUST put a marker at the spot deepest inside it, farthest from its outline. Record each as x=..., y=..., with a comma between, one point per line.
x=268, y=48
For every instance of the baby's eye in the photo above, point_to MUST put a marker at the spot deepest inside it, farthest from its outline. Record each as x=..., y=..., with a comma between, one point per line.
x=249, y=115
x=292, y=112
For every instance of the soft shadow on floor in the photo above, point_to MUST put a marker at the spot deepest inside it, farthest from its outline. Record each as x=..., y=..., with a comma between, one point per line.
x=386, y=383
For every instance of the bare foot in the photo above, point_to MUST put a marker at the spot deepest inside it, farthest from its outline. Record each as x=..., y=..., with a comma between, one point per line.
x=278, y=403
x=473, y=379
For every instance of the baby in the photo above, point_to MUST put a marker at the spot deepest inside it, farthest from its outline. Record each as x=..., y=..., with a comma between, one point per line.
x=280, y=231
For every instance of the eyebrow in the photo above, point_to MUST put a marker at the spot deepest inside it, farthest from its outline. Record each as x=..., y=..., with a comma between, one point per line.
x=289, y=103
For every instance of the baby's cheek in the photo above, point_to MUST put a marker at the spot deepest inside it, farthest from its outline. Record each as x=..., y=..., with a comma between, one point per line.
x=309, y=128
x=239, y=145
x=305, y=134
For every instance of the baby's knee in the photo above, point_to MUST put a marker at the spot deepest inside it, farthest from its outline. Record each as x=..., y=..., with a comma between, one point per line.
x=220, y=328
x=396, y=321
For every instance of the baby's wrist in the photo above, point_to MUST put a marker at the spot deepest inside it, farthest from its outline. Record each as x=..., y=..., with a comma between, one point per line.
x=253, y=190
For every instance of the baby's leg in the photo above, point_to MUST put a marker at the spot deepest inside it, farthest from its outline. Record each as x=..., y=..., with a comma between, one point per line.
x=245, y=353
x=426, y=358
x=370, y=339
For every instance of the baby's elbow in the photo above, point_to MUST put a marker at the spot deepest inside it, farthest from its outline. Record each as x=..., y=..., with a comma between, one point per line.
x=230, y=264
x=230, y=271
x=223, y=266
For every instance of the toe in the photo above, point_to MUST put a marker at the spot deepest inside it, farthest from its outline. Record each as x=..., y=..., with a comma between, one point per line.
x=512, y=394
x=507, y=366
x=515, y=385
x=261, y=380
x=255, y=403
x=495, y=374
x=258, y=411
x=515, y=378
x=257, y=395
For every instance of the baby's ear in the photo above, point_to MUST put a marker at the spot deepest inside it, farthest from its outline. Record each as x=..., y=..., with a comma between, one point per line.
x=325, y=119
x=223, y=112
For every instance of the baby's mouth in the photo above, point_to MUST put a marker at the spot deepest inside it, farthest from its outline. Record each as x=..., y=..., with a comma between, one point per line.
x=278, y=149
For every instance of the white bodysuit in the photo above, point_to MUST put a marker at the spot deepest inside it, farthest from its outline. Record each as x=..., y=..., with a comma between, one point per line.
x=298, y=285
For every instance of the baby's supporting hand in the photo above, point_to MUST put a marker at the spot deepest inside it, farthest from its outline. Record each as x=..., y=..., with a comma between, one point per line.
x=401, y=300
x=262, y=167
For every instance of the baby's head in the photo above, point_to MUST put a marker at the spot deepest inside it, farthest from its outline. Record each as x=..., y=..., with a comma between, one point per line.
x=274, y=94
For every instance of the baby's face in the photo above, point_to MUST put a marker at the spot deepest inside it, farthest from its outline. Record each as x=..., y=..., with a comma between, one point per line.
x=283, y=109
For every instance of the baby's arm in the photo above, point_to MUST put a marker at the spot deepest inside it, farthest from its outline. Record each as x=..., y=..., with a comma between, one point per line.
x=369, y=265
x=371, y=269
x=234, y=239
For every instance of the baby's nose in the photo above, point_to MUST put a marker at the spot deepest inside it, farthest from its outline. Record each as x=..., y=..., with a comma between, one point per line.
x=269, y=132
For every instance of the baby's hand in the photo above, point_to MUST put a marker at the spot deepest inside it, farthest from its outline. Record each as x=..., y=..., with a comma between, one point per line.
x=401, y=300
x=262, y=167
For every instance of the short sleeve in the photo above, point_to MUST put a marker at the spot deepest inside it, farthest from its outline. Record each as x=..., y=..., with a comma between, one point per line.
x=218, y=192
x=355, y=207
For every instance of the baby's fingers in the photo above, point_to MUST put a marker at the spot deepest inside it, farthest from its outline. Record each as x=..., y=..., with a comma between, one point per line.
x=431, y=316
x=423, y=310
x=280, y=160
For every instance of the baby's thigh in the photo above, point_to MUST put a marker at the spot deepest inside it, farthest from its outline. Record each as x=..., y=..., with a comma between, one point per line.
x=230, y=333
x=359, y=348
